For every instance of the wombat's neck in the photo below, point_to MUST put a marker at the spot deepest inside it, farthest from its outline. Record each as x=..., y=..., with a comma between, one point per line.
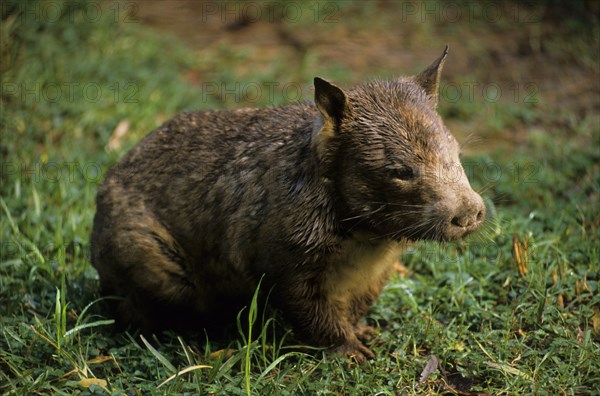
x=360, y=264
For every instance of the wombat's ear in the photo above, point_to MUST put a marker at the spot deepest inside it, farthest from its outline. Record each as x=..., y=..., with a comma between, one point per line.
x=330, y=100
x=429, y=79
x=332, y=104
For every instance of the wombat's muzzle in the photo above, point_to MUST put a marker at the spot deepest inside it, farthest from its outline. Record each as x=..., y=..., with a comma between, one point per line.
x=466, y=217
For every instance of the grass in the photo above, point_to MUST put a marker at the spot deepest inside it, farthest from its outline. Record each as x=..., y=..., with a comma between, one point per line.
x=514, y=310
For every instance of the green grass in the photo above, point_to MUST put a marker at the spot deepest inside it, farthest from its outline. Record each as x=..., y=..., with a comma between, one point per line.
x=493, y=327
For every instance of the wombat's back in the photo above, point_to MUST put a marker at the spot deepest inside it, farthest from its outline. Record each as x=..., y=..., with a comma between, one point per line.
x=195, y=202
x=215, y=163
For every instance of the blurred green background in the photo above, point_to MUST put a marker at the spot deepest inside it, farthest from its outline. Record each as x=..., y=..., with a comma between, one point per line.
x=514, y=310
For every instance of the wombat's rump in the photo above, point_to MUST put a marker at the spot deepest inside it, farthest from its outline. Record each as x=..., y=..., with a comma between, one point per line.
x=318, y=198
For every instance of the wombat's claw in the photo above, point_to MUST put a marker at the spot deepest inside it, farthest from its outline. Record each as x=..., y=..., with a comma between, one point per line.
x=356, y=352
x=364, y=332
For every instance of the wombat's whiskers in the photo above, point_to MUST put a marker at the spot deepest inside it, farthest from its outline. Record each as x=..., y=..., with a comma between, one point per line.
x=363, y=215
x=485, y=188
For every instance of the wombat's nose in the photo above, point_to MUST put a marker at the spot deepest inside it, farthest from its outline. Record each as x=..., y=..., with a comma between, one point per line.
x=471, y=216
x=468, y=220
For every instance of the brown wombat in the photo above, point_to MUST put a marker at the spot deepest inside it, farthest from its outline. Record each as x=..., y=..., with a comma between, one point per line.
x=319, y=198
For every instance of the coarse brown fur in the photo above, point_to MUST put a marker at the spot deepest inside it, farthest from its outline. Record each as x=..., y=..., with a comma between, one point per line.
x=319, y=198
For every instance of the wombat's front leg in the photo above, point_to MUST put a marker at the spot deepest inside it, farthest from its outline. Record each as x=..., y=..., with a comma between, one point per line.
x=364, y=332
x=359, y=307
x=323, y=321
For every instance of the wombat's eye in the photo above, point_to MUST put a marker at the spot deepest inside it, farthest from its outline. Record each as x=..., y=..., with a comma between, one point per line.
x=404, y=173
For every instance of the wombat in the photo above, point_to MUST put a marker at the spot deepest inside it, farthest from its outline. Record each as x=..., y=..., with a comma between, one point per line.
x=317, y=199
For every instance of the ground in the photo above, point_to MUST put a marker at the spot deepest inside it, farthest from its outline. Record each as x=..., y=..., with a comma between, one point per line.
x=512, y=310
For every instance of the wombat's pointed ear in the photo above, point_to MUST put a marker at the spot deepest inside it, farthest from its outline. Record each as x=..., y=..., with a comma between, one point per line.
x=332, y=104
x=429, y=79
x=330, y=100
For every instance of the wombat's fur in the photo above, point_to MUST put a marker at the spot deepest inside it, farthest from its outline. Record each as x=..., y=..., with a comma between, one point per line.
x=317, y=197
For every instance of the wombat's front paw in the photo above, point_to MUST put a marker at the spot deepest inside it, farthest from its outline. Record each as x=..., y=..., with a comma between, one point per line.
x=355, y=350
x=364, y=332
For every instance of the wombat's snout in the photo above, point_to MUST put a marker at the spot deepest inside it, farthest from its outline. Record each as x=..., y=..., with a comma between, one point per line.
x=468, y=215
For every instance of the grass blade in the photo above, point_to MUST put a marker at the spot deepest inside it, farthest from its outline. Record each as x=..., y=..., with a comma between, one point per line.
x=186, y=370
x=97, y=323
x=275, y=363
x=159, y=356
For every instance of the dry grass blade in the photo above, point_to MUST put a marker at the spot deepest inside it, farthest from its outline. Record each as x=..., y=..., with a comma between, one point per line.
x=87, y=382
x=508, y=369
x=520, y=254
x=222, y=353
x=186, y=370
